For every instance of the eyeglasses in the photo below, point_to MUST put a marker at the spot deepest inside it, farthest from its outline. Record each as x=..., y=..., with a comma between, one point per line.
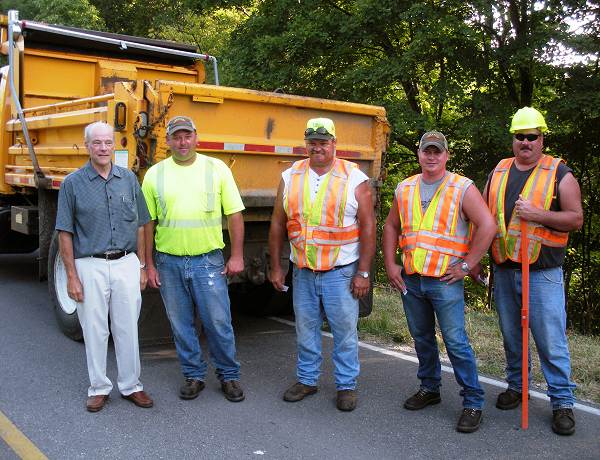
x=98, y=144
x=529, y=137
x=321, y=130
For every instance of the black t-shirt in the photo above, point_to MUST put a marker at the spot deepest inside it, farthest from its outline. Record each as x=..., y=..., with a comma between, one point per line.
x=549, y=257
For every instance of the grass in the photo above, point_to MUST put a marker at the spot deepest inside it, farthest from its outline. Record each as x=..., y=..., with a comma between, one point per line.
x=387, y=326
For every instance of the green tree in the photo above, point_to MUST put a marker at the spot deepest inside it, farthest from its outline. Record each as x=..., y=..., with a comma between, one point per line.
x=76, y=13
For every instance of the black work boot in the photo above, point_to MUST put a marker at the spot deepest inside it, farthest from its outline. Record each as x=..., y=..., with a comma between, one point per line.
x=509, y=399
x=469, y=420
x=421, y=399
x=563, y=421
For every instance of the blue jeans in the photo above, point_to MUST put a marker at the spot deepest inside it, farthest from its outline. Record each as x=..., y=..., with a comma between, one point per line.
x=195, y=283
x=547, y=322
x=426, y=299
x=326, y=294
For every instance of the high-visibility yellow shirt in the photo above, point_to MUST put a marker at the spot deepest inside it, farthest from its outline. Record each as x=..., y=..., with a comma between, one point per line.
x=188, y=203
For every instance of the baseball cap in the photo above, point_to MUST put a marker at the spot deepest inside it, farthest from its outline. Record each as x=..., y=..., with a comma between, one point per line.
x=433, y=138
x=319, y=128
x=178, y=123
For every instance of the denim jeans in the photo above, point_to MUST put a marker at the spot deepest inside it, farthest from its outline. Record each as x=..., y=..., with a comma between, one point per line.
x=426, y=299
x=195, y=283
x=547, y=322
x=326, y=294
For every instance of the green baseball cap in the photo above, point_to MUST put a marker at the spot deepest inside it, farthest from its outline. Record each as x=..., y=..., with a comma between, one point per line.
x=319, y=128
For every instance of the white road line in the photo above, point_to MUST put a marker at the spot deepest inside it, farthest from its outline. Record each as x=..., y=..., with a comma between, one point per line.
x=413, y=359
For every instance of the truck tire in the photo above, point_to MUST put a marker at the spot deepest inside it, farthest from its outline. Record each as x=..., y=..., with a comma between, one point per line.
x=65, y=308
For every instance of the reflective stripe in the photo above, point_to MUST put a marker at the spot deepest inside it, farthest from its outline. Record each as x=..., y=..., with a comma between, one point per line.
x=430, y=239
x=315, y=228
x=539, y=189
x=192, y=223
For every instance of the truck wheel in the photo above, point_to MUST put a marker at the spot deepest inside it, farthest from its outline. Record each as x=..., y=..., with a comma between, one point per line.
x=65, y=308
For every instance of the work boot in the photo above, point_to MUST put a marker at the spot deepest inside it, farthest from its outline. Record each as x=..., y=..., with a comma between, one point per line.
x=563, y=421
x=509, y=399
x=191, y=388
x=421, y=399
x=298, y=391
x=346, y=400
x=469, y=420
x=232, y=390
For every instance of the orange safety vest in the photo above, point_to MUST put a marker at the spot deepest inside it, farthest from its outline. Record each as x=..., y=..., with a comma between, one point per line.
x=316, y=229
x=429, y=240
x=539, y=188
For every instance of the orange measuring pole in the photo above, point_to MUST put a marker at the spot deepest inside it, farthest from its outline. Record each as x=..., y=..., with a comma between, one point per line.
x=525, y=324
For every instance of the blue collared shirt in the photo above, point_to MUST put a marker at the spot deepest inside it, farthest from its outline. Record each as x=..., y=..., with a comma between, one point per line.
x=102, y=214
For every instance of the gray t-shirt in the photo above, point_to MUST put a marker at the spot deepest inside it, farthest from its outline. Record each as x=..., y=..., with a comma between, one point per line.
x=102, y=214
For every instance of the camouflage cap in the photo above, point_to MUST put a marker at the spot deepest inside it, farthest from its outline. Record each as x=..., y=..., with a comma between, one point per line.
x=435, y=139
x=180, y=123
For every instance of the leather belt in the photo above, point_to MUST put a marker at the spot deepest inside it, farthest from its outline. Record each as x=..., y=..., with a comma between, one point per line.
x=113, y=255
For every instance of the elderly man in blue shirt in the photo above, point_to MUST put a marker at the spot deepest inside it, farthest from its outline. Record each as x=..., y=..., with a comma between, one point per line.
x=100, y=218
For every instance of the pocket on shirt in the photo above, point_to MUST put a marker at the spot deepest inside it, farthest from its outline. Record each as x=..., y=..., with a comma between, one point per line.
x=128, y=210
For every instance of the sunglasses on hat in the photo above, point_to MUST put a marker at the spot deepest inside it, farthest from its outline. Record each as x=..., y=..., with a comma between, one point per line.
x=321, y=130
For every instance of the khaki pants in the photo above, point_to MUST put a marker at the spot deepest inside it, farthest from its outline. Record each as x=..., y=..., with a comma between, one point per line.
x=111, y=287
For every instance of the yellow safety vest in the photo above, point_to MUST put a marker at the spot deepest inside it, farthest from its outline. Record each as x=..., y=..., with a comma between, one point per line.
x=316, y=229
x=539, y=188
x=429, y=240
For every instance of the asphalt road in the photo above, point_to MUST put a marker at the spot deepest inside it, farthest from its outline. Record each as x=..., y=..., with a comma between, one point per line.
x=43, y=382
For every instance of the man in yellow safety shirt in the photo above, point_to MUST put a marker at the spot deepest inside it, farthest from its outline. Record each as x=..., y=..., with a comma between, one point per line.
x=185, y=195
x=542, y=190
x=324, y=206
x=443, y=228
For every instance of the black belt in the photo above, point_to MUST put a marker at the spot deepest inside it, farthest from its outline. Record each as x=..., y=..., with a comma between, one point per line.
x=111, y=255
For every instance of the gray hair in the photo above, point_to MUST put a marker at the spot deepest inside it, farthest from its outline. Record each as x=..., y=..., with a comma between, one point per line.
x=89, y=129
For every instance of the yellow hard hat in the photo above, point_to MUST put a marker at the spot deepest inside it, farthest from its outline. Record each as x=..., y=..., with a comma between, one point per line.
x=528, y=118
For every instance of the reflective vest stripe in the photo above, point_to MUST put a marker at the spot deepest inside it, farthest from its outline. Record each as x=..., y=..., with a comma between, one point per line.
x=315, y=228
x=430, y=239
x=539, y=188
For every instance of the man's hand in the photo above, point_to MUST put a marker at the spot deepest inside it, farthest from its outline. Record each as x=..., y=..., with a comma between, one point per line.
x=454, y=273
x=526, y=210
x=143, y=279
x=394, y=274
x=359, y=286
x=277, y=277
x=234, y=266
x=74, y=288
x=152, y=276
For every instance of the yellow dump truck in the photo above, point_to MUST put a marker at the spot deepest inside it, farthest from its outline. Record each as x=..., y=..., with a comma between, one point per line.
x=59, y=79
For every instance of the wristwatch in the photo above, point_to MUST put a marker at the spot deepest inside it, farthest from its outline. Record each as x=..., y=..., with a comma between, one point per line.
x=142, y=266
x=465, y=267
x=364, y=275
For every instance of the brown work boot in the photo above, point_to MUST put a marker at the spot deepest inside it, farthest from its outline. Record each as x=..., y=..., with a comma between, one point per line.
x=298, y=391
x=96, y=403
x=191, y=388
x=346, y=400
x=232, y=390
